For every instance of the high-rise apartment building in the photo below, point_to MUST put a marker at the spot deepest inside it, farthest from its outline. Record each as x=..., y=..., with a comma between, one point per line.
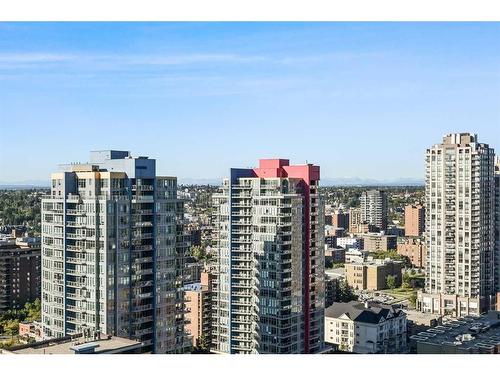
x=112, y=252
x=199, y=310
x=268, y=289
x=414, y=220
x=340, y=220
x=497, y=226
x=374, y=208
x=354, y=220
x=459, y=233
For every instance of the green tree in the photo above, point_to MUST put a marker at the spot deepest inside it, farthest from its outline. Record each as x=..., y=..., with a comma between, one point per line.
x=413, y=299
x=345, y=293
x=204, y=344
x=198, y=252
x=391, y=282
x=406, y=280
x=11, y=327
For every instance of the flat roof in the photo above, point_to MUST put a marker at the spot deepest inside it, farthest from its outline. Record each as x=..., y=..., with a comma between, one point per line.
x=467, y=332
x=102, y=346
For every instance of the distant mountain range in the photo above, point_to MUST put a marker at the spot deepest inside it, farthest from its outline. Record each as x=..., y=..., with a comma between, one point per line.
x=356, y=181
x=27, y=184
x=338, y=181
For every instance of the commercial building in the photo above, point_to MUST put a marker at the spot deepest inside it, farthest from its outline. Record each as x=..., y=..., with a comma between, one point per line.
x=113, y=248
x=460, y=221
x=20, y=272
x=199, y=310
x=350, y=242
x=372, y=275
x=374, y=208
x=465, y=335
x=268, y=289
x=414, y=249
x=366, y=329
x=375, y=242
x=414, y=220
x=79, y=343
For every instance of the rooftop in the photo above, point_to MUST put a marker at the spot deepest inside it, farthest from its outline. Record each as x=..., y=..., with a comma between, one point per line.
x=76, y=344
x=466, y=333
x=359, y=312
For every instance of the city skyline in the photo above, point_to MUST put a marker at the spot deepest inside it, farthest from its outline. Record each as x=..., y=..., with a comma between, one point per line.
x=192, y=94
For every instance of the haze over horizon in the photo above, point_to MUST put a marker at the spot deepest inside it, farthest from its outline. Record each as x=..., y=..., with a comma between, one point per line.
x=362, y=100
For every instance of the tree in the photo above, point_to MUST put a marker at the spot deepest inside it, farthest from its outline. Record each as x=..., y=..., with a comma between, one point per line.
x=345, y=293
x=11, y=327
x=33, y=311
x=204, y=344
x=413, y=299
x=198, y=252
x=391, y=282
x=406, y=280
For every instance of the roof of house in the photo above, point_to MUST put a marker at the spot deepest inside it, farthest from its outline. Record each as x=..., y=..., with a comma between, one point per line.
x=357, y=311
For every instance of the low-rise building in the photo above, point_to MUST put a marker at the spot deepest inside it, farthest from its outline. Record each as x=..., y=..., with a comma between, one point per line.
x=334, y=254
x=78, y=344
x=375, y=242
x=350, y=242
x=414, y=248
x=464, y=335
x=372, y=275
x=31, y=331
x=355, y=256
x=363, y=328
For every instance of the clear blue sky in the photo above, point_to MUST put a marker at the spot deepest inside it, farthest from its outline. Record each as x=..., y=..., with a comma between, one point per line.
x=359, y=99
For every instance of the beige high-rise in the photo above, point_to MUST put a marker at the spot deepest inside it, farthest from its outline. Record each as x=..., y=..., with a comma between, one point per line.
x=459, y=227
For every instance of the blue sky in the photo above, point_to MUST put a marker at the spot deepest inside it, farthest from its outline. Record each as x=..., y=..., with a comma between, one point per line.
x=359, y=99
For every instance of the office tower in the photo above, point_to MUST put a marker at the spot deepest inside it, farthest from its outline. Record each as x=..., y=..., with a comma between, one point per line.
x=113, y=252
x=268, y=287
x=459, y=235
x=414, y=220
x=20, y=272
x=374, y=208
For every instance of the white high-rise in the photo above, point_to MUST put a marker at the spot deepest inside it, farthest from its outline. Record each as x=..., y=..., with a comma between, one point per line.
x=460, y=223
x=112, y=252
